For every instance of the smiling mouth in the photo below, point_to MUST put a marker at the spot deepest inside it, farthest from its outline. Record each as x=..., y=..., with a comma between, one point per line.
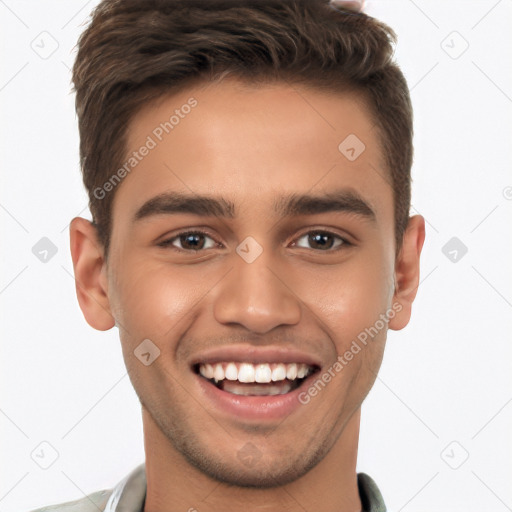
x=261, y=379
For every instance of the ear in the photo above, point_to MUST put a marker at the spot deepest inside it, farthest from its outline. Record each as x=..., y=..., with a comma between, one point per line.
x=407, y=271
x=90, y=274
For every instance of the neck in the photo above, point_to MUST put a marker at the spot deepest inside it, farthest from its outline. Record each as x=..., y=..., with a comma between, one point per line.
x=174, y=485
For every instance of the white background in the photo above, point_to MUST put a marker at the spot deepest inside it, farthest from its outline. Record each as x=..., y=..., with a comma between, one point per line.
x=445, y=387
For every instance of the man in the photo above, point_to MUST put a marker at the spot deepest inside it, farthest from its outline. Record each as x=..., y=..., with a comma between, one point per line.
x=248, y=169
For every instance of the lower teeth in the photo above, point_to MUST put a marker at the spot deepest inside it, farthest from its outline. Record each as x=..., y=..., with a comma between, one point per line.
x=254, y=389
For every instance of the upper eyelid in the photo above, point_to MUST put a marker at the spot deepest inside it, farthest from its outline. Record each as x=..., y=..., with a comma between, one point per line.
x=200, y=231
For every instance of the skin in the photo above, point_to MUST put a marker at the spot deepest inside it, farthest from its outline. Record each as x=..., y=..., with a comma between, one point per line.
x=250, y=145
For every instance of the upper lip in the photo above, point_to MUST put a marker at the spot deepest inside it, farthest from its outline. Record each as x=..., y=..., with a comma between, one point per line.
x=254, y=355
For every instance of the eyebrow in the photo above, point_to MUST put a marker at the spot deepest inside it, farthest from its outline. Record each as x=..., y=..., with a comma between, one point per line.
x=344, y=200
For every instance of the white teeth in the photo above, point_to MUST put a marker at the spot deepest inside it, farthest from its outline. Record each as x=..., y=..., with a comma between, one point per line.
x=279, y=372
x=255, y=390
x=291, y=371
x=208, y=371
x=246, y=372
x=218, y=372
x=231, y=371
x=263, y=373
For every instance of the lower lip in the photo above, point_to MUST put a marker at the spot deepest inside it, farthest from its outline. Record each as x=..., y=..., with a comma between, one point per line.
x=270, y=407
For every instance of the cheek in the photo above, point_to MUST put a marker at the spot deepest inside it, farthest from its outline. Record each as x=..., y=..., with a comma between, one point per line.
x=150, y=299
x=347, y=298
x=154, y=300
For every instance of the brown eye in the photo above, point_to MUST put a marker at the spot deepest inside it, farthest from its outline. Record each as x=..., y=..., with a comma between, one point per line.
x=189, y=241
x=321, y=240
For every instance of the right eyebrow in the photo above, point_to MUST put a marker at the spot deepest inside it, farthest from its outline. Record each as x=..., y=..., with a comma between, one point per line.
x=175, y=202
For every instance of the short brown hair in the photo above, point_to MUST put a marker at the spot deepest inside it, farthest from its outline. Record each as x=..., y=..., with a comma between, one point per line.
x=135, y=51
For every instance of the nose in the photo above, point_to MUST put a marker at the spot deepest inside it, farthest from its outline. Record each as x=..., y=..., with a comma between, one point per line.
x=257, y=296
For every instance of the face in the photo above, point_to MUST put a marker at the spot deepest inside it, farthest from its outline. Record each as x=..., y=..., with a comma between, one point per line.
x=247, y=246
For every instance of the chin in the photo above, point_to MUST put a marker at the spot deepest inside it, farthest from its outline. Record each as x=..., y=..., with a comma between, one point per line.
x=249, y=468
x=262, y=476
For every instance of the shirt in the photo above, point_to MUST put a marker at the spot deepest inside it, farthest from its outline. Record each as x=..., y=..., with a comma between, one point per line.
x=130, y=494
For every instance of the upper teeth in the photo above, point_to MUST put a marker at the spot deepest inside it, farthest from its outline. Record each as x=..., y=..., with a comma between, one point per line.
x=248, y=372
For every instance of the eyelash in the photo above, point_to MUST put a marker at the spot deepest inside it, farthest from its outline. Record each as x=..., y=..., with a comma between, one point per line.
x=168, y=242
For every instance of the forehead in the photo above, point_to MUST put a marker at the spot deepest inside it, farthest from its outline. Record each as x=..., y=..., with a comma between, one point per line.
x=253, y=144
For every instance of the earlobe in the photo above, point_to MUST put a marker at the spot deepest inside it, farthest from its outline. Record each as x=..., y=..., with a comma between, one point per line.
x=407, y=272
x=90, y=278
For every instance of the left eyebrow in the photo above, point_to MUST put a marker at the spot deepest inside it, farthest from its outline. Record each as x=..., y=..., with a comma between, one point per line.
x=344, y=200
